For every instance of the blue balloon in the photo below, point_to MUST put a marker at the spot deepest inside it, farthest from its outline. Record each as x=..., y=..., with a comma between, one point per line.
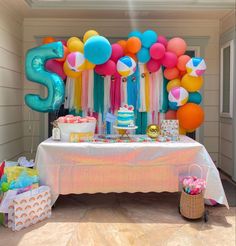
x=136, y=34
x=195, y=97
x=35, y=72
x=97, y=50
x=149, y=37
x=143, y=55
x=173, y=105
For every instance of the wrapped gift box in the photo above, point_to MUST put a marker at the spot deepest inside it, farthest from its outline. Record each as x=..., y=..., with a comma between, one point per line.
x=170, y=129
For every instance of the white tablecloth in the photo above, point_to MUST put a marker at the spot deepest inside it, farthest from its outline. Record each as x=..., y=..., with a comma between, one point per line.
x=125, y=167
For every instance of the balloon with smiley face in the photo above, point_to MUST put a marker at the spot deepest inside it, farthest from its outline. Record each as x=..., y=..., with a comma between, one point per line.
x=153, y=131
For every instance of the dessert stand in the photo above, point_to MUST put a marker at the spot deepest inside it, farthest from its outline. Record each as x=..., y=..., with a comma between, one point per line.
x=123, y=131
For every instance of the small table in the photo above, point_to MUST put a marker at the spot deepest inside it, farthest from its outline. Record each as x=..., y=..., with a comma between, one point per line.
x=125, y=167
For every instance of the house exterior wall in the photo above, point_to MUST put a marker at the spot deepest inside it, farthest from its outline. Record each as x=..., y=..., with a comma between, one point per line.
x=11, y=117
x=193, y=31
x=227, y=140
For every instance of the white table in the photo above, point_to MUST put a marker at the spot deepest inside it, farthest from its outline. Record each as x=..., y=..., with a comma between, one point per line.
x=125, y=167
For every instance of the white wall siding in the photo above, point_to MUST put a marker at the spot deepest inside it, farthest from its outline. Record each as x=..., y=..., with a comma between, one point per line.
x=227, y=24
x=11, y=114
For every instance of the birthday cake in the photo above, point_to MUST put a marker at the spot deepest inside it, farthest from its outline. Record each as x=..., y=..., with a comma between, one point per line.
x=125, y=116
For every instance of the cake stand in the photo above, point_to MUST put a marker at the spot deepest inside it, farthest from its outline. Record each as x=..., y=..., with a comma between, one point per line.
x=123, y=131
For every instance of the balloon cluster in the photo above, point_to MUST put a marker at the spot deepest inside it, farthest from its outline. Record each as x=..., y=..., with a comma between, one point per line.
x=94, y=52
x=120, y=59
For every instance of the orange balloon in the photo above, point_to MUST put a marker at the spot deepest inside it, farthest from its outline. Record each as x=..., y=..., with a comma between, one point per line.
x=132, y=56
x=122, y=43
x=66, y=53
x=182, y=131
x=182, y=61
x=191, y=130
x=171, y=73
x=190, y=116
x=133, y=45
x=48, y=40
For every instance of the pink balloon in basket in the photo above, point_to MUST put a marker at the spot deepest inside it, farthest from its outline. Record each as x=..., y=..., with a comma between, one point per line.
x=56, y=67
x=210, y=202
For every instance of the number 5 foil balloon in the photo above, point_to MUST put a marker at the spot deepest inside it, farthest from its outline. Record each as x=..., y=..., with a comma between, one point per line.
x=36, y=72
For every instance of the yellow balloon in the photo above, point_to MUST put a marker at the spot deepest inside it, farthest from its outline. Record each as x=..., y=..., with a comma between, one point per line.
x=89, y=65
x=76, y=45
x=89, y=34
x=182, y=131
x=191, y=83
x=173, y=83
x=72, y=39
x=69, y=72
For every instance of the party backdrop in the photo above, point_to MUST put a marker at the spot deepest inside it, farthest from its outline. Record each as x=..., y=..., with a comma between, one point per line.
x=93, y=77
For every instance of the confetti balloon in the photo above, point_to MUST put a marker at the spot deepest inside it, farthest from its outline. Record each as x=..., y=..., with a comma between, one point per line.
x=126, y=66
x=196, y=66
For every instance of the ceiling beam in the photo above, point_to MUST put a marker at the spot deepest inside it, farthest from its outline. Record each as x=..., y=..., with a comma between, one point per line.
x=135, y=5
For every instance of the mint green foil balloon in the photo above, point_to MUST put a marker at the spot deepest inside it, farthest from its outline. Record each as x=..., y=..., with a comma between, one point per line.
x=36, y=72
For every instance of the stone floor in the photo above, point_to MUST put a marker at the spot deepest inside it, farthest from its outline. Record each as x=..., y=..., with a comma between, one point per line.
x=125, y=219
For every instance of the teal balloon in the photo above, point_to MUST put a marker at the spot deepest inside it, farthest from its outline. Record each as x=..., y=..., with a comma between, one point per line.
x=143, y=55
x=195, y=97
x=36, y=72
x=97, y=50
x=173, y=105
x=149, y=37
x=136, y=34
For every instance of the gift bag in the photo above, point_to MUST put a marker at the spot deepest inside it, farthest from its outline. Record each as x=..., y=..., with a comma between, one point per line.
x=170, y=129
x=29, y=208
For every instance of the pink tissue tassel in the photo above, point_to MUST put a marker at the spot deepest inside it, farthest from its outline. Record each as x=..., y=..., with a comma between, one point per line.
x=115, y=94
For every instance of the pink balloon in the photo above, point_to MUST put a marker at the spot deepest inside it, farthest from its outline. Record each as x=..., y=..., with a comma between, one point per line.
x=56, y=67
x=64, y=42
x=169, y=60
x=162, y=40
x=157, y=51
x=117, y=52
x=153, y=65
x=108, y=68
x=171, y=115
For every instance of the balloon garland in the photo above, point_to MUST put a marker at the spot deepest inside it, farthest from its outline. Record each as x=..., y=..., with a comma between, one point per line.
x=146, y=70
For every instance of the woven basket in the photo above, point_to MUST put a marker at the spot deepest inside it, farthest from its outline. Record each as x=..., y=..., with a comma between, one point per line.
x=192, y=206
